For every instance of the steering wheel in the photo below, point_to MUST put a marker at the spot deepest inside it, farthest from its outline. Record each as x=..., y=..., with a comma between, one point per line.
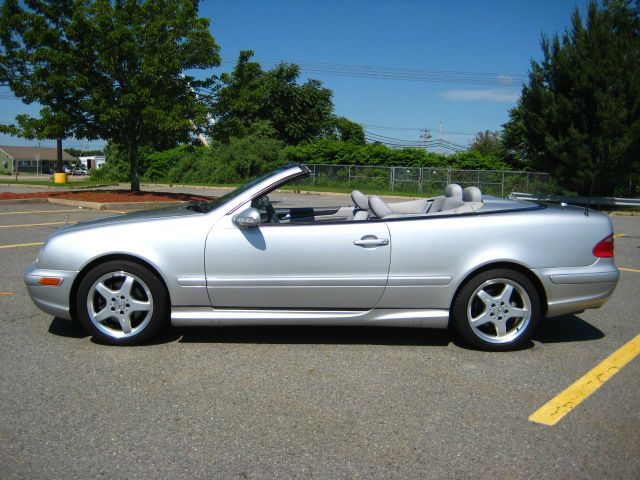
x=271, y=212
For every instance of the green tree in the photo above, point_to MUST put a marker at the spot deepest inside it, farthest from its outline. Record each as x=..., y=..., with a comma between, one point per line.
x=345, y=130
x=36, y=62
x=488, y=143
x=579, y=115
x=125, y=62
x=248, y=94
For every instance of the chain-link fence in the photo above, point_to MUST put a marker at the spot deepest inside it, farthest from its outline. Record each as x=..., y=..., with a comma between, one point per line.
x=424, y=181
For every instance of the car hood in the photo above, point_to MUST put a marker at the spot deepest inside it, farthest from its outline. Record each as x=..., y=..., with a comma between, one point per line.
x=140, y=216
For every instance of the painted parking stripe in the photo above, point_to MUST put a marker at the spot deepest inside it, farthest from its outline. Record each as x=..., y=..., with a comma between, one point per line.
x=555, y=409
x=5, y=294
x=18, y=245
x=619, y=235
x=36, y=224
x=38, y=211
x=634, y=270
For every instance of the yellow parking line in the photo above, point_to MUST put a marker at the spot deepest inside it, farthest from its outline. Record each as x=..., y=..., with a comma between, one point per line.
x=634, y=270
x=5, y=294
x=113, y=211
x=555, y=409
x=619, y=235
x=16, y=245
x=38, y=211
x=36, y=224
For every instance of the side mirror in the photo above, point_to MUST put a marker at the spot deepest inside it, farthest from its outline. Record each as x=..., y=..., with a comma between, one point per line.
x=249, y=217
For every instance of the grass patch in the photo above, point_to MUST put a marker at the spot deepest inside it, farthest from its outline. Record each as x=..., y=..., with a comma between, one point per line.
x=51, y=183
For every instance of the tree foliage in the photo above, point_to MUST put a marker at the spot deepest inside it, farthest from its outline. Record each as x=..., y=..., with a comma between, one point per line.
x=248, y=94
x=231, y=162
x=37, y=62
x=491, y=144
x=327, y=151
x=114, y=68
x=579, y=115
x=344, y=130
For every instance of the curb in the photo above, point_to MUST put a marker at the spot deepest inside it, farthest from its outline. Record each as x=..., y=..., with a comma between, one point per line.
x=61, y=188
x=95, y=205
x=16, y=201
x=115, y=206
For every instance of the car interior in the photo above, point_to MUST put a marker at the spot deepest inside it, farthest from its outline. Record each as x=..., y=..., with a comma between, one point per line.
x=455, y=200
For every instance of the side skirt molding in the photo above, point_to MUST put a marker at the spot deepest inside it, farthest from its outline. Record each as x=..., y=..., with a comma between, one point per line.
x=203, y=316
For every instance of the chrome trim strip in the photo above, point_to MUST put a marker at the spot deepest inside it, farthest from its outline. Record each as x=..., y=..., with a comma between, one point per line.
x=192, y=281
x=282, y=281
x=399, y=281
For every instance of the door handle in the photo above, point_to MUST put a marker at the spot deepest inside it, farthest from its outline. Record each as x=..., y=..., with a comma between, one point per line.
x=371, y=242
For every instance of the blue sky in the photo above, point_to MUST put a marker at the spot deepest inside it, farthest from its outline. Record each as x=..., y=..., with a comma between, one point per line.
x=483, y=48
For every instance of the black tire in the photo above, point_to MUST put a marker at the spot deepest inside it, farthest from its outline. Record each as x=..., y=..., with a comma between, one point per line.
x=490, y=316
x=122, y=303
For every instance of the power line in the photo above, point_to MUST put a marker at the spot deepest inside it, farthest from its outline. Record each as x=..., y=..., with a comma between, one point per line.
x=413, y=129
x=424, y=142
x=395, y=73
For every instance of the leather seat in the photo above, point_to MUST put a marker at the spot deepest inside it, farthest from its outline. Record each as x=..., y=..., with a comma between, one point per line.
x=471, y=194
x=452, y=199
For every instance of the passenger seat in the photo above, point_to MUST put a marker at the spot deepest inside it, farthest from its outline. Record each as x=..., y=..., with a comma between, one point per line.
x=452, y=199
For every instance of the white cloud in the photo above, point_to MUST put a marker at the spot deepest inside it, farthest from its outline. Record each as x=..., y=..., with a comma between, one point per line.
x=487, y=95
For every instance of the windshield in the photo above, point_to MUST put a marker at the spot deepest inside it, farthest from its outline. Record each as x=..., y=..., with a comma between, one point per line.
x=207, y=207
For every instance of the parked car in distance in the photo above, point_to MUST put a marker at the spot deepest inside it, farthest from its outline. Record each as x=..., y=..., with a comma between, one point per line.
x=490, y=267
x=77, y=170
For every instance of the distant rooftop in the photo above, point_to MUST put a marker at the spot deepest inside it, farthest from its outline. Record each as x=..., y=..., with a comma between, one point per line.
x=32, y=153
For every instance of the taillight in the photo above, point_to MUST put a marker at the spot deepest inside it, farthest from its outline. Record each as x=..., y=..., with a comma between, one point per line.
x=604, y=248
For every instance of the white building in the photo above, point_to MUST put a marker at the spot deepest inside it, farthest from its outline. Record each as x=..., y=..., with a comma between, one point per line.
x=92, y=161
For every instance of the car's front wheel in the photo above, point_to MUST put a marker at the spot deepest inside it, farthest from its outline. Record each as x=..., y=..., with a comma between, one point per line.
x=121, y=303
x=497, y=310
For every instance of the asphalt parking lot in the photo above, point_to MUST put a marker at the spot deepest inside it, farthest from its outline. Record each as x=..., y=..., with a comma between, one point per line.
x=284, y=402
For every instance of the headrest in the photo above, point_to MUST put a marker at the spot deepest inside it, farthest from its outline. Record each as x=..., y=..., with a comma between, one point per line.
x=379, y=208
x=471, y=194
x=360, y=199
x=453, y=190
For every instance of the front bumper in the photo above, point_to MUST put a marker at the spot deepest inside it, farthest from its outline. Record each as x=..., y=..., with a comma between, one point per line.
x=574, y=289
x=51, y=299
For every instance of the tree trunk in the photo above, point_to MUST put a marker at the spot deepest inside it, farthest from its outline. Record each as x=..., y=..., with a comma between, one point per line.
x=133, y=159
x=59, y=168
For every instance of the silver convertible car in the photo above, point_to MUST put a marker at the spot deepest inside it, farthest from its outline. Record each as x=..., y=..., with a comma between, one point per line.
x=489, y=267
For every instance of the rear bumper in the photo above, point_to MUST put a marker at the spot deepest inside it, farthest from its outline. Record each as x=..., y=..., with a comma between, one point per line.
x=574, y=289
x=51, y=299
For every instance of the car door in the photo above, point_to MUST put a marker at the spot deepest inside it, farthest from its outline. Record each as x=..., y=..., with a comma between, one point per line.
x=301, y=266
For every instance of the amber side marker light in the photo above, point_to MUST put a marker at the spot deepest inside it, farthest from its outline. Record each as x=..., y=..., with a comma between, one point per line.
x=604, y=248
x=50, y=281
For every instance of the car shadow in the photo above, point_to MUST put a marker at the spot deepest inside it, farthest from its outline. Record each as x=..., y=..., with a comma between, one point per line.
x=72, y=329
x=316, y=335
x=567, y=328
x=67, y=328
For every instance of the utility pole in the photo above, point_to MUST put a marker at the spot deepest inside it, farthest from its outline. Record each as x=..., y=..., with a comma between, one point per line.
x=440, y=133
x=425, y=135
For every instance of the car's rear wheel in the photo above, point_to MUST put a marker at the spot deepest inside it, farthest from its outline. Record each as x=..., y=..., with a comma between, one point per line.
x=497, y=310
x=121, y=303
